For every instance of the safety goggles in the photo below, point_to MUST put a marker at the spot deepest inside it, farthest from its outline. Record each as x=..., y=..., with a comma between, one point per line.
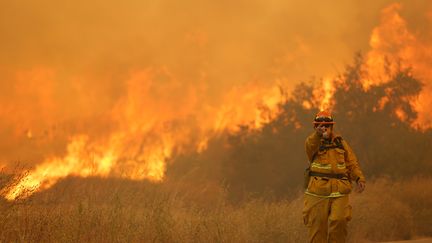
x=323, y=119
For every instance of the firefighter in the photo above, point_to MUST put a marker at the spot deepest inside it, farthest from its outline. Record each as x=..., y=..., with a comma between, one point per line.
x=332, y=169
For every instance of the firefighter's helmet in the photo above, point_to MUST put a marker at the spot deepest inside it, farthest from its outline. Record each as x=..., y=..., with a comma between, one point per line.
x=323, y=117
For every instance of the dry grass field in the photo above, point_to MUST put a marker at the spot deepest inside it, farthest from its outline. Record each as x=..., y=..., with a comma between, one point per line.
x=96, y=210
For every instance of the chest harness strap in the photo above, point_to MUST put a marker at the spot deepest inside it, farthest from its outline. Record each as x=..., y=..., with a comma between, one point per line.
x=337, y=144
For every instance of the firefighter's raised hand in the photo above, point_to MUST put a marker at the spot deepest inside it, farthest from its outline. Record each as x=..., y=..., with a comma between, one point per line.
x=320, y=129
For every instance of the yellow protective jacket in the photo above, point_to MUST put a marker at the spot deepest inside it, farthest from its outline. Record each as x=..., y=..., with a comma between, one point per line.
x=331, y=161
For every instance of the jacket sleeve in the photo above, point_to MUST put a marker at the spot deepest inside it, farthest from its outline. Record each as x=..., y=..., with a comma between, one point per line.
x=355, y=173
x=312, y=145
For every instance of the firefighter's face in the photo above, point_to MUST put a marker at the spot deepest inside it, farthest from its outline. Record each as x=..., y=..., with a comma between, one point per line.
x=324, y=129
x=327, y=130
x=327, y=127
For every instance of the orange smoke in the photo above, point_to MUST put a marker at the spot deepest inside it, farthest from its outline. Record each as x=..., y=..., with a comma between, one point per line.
x=157, y=118
x=33, y=94
x=106, y=115
x=394, y=47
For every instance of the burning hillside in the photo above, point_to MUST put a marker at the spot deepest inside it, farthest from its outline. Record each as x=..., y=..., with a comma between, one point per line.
x=153, y=99
x=395, y=47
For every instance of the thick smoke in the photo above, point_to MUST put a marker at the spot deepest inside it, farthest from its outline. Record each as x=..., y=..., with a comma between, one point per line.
x=65, y=68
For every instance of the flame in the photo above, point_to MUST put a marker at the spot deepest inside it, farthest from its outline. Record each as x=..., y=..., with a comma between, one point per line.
x=395, y=46
x=157, y=114
x=243, y=108
x=151, y=123
x=401, y=114
x=322, y=95
x=328, y=89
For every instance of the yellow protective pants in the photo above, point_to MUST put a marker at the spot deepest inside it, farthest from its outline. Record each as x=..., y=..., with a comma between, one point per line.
x=326, y=218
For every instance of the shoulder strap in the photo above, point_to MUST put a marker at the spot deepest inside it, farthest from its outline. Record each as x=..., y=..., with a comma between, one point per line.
x=338, y=144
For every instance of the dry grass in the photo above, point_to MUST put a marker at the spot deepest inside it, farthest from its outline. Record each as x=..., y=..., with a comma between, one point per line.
x=94, y=210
